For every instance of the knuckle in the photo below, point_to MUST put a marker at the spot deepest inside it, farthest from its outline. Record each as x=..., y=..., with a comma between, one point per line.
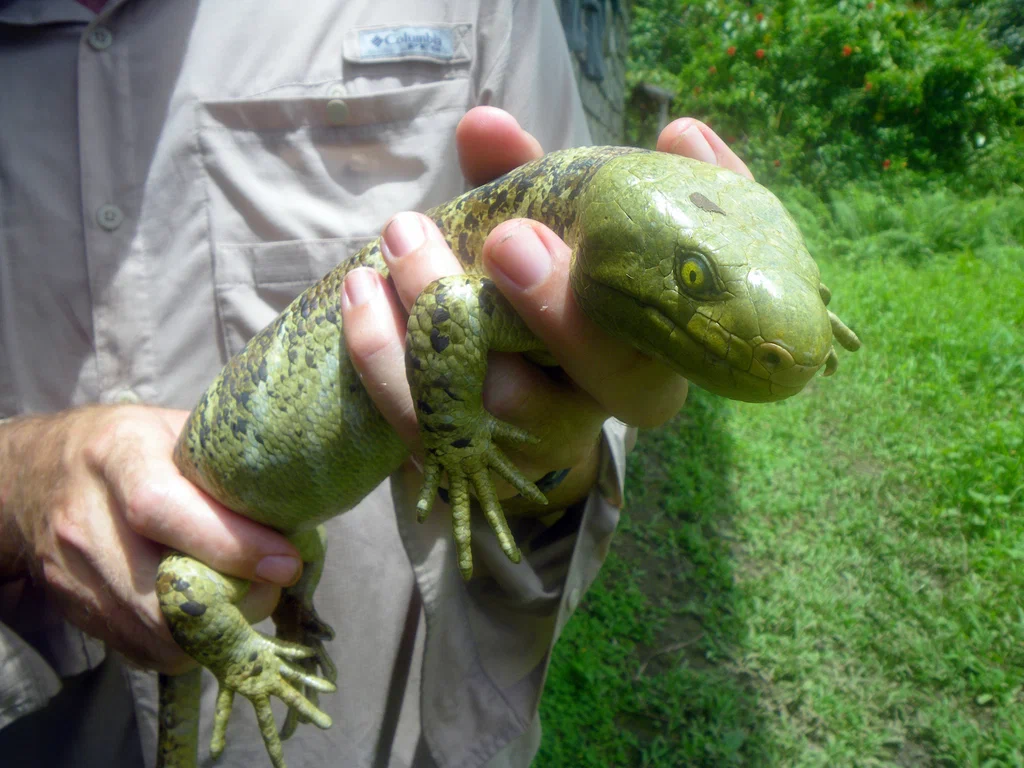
x=366, y=342
x=68, y=532
x=143, y=505
x=108, y=437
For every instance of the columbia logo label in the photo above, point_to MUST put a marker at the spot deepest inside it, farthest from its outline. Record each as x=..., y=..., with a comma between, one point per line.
x=407, y=42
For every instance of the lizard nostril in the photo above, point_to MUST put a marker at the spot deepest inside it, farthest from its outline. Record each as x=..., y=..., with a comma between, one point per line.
x=773, y=357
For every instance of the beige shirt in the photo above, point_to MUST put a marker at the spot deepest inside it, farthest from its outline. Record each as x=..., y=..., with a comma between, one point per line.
x=172, y=173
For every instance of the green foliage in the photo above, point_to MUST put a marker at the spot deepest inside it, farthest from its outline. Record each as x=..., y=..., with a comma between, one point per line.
x=823, y=92
x=1007, y=29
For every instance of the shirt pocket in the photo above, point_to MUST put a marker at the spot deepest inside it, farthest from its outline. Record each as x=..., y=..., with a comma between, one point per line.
x=255, y=282
x=298, y=182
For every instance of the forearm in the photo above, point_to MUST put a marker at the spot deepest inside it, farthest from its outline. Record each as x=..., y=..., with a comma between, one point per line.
x=18, y=439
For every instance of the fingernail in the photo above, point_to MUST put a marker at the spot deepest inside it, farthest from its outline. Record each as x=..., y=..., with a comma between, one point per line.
x=360, y=287
x=403, y=234
x=523, y=258
x=279, y=569
x=691, y=143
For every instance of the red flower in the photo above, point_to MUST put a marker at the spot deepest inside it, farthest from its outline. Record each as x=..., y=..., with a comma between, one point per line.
x=778, y=163
x=731, y=50
x=712, y=69
x=696, y=90
x=759, y=53
x=760, y=17
x=847, y=50
x=886, y=163
x=868, y=86
x=871, y=6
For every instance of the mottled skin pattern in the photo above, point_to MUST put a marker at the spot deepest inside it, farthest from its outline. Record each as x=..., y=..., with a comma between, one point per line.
x=692, y=264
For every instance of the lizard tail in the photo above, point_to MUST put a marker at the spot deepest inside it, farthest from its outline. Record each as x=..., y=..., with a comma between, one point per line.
x=178, y=739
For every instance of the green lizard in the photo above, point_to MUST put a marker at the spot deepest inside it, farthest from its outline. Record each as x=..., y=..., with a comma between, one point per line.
x=694, y=265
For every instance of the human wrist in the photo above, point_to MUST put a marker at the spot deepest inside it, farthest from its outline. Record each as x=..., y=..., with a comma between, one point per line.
x=14, y=559
x=33, y=451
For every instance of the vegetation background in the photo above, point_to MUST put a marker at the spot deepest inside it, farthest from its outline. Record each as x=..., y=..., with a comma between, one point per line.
x=835, y=580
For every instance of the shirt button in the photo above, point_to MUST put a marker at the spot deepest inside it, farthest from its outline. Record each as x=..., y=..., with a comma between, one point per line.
x=126, y=397
x=100, y=38
x=109, y=217
x=337, y=111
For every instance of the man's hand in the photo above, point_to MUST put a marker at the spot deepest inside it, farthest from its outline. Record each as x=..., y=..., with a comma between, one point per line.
x=88, y=499
x=530, y=265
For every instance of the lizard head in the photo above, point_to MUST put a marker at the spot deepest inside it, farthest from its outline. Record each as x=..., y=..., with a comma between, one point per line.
x=705, y=271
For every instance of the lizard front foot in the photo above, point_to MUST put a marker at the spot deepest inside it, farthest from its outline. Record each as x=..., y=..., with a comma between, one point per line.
x=468, y=462
x=452, y=326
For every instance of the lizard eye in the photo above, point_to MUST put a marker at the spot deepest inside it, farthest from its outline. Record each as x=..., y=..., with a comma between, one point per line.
x=695, y=275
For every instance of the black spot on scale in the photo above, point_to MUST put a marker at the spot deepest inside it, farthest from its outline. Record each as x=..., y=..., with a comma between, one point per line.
x=180, y=585
x=452, y=395
x=257, y=670
x=262, y=372
x=705, y=204
x=552, y=479
x=412, y=362
x=242, y=397
x=424, y=407
x=239, y=428
x=204, y=433
x=331, y=315
x=253, y=656
x=464, y=246
x=193, y=608
x=498, y=200
x=293, y=355
x=310, y=360
x=462, y=442
x=443, y=381
x=445, y=427
x=440, y=315
x=438, y=340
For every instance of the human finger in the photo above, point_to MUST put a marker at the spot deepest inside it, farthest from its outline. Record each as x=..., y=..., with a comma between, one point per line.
x=692, y=138
x=416, y=254
x=491, y=142
x=374, y=324
x=530, y=265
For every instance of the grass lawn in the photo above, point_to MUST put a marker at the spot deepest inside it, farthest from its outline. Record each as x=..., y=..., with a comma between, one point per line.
x=835, y=580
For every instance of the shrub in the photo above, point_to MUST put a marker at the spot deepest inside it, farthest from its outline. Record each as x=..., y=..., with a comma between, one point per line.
x=826, y=92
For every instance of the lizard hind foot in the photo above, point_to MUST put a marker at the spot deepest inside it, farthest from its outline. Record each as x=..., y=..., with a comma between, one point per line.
x=262, y=667
x=298, y=622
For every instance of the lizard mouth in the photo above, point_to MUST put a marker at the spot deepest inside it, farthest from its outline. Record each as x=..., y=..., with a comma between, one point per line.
x=762, y=372
x=721, y=362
